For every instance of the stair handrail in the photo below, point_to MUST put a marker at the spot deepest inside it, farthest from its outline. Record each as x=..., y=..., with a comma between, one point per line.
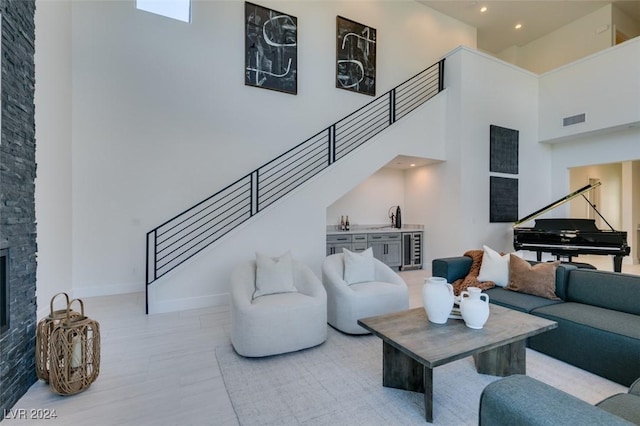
x=178, y=239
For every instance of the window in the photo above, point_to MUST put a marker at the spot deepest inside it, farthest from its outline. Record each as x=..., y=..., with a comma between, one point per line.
x=175, y=9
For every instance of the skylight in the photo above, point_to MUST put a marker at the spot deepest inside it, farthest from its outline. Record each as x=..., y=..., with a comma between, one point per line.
x=175, y=9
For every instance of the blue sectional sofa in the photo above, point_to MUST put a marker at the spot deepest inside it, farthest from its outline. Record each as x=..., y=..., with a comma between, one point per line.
x=524, y=401
x=598, y=316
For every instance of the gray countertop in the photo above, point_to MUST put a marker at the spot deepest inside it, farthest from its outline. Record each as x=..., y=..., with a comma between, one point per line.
x=371, y=229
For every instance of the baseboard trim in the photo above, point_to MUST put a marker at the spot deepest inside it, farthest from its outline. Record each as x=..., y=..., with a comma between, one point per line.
x=160, y=307
x=106, y=290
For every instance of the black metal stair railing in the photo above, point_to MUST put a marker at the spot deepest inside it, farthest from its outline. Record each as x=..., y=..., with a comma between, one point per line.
x=183, y=236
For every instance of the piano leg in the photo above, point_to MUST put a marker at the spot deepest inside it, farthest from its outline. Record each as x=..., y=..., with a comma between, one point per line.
x=617, y=263
x=539, y=256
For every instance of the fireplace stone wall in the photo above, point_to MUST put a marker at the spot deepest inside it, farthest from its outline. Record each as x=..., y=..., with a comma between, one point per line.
x=17, y=203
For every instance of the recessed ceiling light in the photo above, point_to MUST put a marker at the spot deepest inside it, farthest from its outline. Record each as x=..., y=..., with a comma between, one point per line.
x=518, y=26
x=412, y=165
x=483, y=9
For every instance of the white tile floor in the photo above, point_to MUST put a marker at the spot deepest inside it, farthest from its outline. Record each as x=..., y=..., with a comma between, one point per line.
x=161, y=369
x=156, y=370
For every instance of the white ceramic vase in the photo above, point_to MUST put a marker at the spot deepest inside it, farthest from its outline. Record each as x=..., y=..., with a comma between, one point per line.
x=474, y=307
x=437, y=299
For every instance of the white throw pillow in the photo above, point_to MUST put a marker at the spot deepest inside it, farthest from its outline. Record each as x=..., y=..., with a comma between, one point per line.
x=494, y=267
x=274, y=275
x=358, y=267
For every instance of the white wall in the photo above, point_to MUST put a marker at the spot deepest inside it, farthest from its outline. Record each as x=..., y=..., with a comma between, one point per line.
x=611, y=132
x=489, y=91
x=451, y=198
x=624, y=23
x=634, y=238
x=580, y=38
x=619, y=194
x=161, y=116
x=573, y=41
x=604, y=86
x=610, y=193
x=369, y=202
x=630, y=199
x=53, y=150
x=297, y=222
x=611, y=147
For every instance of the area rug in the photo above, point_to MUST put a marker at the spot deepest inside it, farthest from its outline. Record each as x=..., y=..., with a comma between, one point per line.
x=340, y=383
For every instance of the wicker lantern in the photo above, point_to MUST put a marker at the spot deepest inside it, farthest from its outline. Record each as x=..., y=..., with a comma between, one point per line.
x=74, y=353
x=43, y=335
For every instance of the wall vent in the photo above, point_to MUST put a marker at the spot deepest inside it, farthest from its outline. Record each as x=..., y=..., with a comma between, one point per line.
x=575, y=119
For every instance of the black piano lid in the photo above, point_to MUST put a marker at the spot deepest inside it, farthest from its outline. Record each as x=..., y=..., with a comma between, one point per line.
x=558, y=203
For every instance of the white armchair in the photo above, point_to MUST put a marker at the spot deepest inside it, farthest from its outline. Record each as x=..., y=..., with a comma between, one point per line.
x=277, y=323
x=346, y=304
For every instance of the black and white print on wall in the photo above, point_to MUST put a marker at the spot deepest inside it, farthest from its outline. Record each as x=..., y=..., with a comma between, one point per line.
x=271, y=49
x=355, y=56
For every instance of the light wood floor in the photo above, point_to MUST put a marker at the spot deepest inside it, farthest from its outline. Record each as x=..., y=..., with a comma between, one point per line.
x=161, y=369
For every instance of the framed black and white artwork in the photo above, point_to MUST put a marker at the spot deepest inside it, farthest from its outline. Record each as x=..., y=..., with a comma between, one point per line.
x=271, y=49
x=503, y=196
x=355, y=56
x=503, y=150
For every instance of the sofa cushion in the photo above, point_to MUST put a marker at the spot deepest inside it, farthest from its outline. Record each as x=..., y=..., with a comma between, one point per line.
x=623, y=405
x=538, y=280
x=519, y=301
x=611, y=290
x=522, y=400
x=602, y=341
x=608, y=320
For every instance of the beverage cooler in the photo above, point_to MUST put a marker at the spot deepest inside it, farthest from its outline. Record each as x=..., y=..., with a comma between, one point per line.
x=411, y=250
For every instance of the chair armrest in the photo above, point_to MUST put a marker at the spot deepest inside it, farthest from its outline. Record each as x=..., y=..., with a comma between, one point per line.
x=634, y=389
x=524, y=401
x=307, y=282
x=451, y=268
x=385, y=274
x=243, y=285
x=333, y=269
x=332, y=277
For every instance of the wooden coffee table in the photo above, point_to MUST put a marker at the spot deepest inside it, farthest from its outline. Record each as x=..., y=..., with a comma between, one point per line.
x=412, y=346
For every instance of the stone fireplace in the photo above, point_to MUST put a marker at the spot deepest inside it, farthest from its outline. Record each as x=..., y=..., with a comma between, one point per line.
x=4, y=290
x=17, y=205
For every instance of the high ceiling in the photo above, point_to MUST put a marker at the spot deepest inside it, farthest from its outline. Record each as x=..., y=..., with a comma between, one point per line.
x=496, y=29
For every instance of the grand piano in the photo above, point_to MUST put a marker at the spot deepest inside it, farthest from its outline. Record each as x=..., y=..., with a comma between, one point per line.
x=565, y=238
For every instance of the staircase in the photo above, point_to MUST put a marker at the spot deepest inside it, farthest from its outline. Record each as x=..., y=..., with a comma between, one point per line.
x=180, y=238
